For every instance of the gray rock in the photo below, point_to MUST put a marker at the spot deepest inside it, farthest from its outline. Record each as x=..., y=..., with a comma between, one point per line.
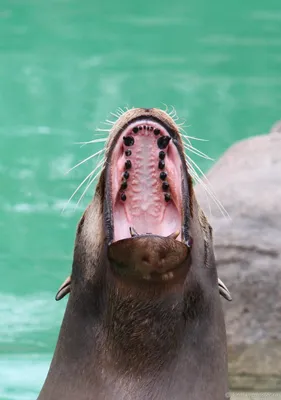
x=276, y=127
x=247, y=181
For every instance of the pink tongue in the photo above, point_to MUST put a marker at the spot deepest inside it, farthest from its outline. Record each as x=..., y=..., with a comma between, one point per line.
x=145, y=204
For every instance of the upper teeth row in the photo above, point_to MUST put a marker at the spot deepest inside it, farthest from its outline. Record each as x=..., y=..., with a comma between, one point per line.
x=146, y=127
x=162, y=142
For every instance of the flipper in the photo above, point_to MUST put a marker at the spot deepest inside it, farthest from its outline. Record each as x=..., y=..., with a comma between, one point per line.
x=64, y=289
x=224, y=292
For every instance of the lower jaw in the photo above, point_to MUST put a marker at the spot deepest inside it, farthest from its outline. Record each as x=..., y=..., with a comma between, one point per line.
x=169, y=278
x=150, y=259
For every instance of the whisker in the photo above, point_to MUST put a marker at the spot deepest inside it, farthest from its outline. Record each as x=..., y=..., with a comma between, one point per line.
x=76, y=190
x=188, y=137
x=173, y=112
x=121, y=110
x=107, y=123
x=194, y=138
x=110, y=122
x=181, y=124
x=115, y=115
x=97, y=133
x=207, y=186
x=102, y=130
x=166, y=107
x=103, y=157
x=194, y=174
x=98, y=140
x=197, y=152
x=86, y=159
x=87, y=187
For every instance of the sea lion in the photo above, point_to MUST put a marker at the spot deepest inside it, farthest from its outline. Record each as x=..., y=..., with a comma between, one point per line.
x=144, y=317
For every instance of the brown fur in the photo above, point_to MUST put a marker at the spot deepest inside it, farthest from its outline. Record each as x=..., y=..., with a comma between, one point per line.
x=123, y=340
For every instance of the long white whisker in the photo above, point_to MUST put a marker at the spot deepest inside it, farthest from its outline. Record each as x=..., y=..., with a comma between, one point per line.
x=98, y=140
x=110, y=122
x=76, y=190
x=103, y=157
x=197, y=152
x=197, y=179
x=185, y=135
x=182, y=126
x=173, y=112
x=194, y=138
x=186, y=139
x=214, y=198
x=121, y=111
x=207, y=186
x=114, y=115
x=86, y=159
x=97, y=133
x=87, y=187
x=102, y=130
x=166, y=107
x=194, y=151
x=81, y=184
x=200, y=181
x=182, y=123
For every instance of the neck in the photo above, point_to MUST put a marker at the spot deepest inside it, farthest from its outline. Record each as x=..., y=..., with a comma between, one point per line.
x=121, y=341
x=144, y=329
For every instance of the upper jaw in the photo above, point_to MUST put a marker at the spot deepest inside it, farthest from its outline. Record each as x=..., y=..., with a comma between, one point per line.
x=139, y=140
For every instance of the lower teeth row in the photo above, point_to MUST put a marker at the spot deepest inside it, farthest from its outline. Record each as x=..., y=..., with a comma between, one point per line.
x=164, y=277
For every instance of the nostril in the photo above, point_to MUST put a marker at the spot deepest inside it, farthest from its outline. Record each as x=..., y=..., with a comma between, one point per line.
x=145, y=259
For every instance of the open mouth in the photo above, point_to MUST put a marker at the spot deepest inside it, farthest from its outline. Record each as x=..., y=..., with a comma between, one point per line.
x=147, y=201
x=147, y=181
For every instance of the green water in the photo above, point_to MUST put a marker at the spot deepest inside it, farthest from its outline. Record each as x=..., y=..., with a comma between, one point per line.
x=64, y=65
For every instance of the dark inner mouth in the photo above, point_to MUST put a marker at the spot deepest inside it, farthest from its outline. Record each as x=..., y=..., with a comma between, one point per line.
x=146, y=182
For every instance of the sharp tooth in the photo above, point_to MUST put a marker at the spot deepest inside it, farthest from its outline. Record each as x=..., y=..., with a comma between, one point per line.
x=174, y=235
x=147, y=277
x=171, y=275
x=133, y=232
x=165, y=277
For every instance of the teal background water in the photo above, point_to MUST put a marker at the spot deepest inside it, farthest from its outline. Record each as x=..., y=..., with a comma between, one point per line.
x=64, y=65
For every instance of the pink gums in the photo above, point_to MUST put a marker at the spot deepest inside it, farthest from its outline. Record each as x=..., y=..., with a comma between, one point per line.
x=145, y=208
